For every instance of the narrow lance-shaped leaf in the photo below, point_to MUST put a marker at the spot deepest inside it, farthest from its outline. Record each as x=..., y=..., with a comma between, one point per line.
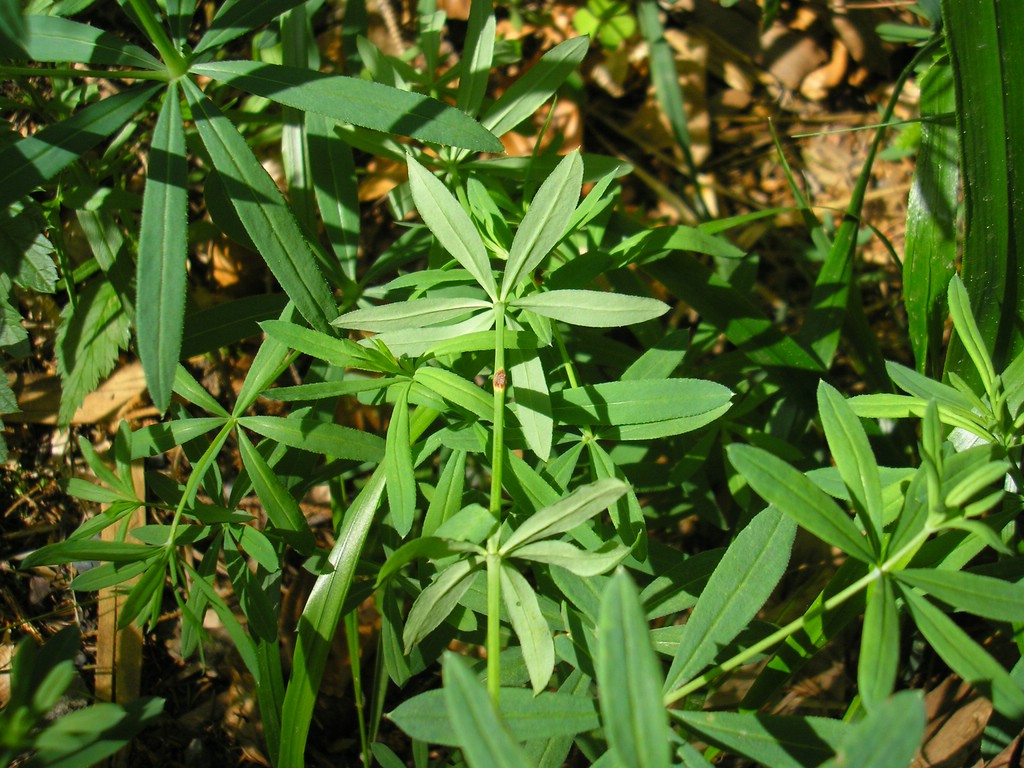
x=981, y=595
x=880, y=645
x=401, y=482
x=237, y=17
x=451, y=225
x=544, y=223
x=334, y=182
x=530, y=626
x=404, y=315
x=888, y=737
x=358, y=102
x=29, y=162
x=968, y=332
x=780, y=484
x=736, y=591
x=163, y=250
x=55, y=39
x=578, y=507
x=639, y=401
x=438, y=600
x=629, y=679
x=321, y=437
x=592, y=309
x=282, y=509
x=484, y=736
x=263, y=211
x=476, y=57
x=533, y=402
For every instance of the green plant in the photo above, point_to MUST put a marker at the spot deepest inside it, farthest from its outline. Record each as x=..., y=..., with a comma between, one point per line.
x=549, y=423
x=39, y=678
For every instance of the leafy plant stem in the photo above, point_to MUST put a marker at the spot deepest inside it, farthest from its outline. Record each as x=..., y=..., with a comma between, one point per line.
x=895, y=562
x=176, y=63
x=494, y=542
x=69, y=72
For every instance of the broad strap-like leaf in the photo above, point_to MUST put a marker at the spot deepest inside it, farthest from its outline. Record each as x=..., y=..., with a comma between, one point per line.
x=629, y=679
x=359, y=102
x=533, y=632
x=163, y=252
x=592, y=309
x=544, y=223
x=736, y=591
x=29, y=162
x=485, y=738
x=799, y=498
x=451, y=225
x=879, y=645
x=853, y=457
x=578, y=507
x=55, y=39
x=263, y=212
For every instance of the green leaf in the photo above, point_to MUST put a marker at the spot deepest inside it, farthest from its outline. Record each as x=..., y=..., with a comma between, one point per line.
x=533, y=402
x=969, y=334
x=401, y=480
x=776, y=740
x=438, y=600
x=89, y=341
x=929, y=258
x=741, y=583
x=237, y=17
x=853, y=458
x=526, y=95
x=638, y=402
x=483, y=734
x=879, y=645
x=340, y=353
x=981, y=595
x=544, y=223
x=782, y=486
x=593, y=309
x=26, y=255
x=888, y=737
x=579, y=561
x=404, y=315
x=529, y=625
x=359, y=102
x=457, y=390
x=547, y=715
x=282, y=509
x=334, y=183
x=310, y=434
x=263, y=211
x=53, y=39
x=451, y=225
x=629, y=679
x=965, y=657
x=163, y=252
x=258, y=547
x=578, y=507
x=477, y=56
x=30, y=161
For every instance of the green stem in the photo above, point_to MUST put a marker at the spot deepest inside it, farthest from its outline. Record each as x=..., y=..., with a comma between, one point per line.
x=493, y=558
x=176, y=64
x=71, y=72
x=796, y=625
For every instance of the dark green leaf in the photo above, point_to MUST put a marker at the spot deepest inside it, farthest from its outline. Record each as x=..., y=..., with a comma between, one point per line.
x=888, y=737
x=981, y=595
x=236, y=17
x=318, y=437
x=53, y=39
x=879, y=645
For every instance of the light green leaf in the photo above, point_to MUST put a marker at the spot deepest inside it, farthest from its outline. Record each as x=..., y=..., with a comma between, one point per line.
x=359, y=102
x=438, y=600
x=585, y=563
x=776, y=740
x=76, y=550
x=29, y=162
x=779, y=484
x=476, y=57
x=547, y=715
x=965, y=657
x=888, y=737
x=457, y=390
x=879, y=645
x=981, y=595
x=53, y=39
x=593, y=309
x=341, y=353
x=485, y=738
x=282, y=509
x=578, y=507
x=639, y=402
x=263, y=211
x=451, y=225
x=529, y=625
x=736, y=591
x=309, y=434
x=525, y=96
x=401, y=480
x=853, y=458
x=163, y=251
x=968, y=332
x=533, y=402
x=334, y=182
x=629, y=680
x=544, y=223
x=404, y=315
x=258, y=547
